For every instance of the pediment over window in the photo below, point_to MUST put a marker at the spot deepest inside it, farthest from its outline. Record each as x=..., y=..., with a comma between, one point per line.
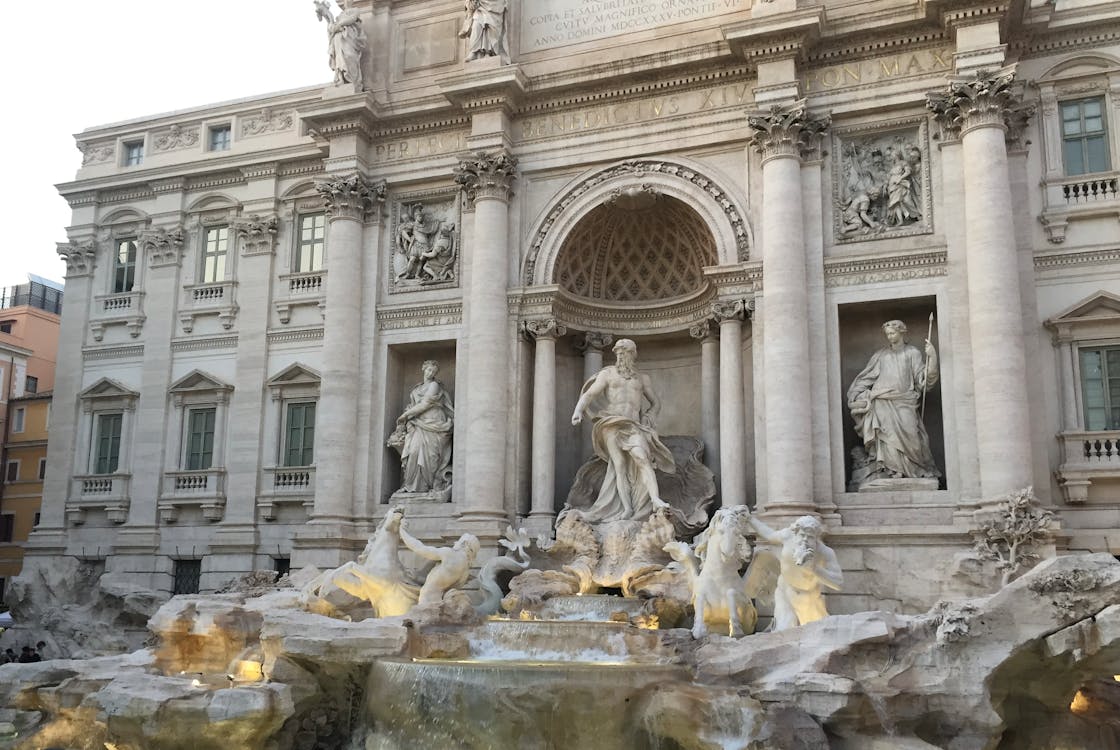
x=198, y=381
x=295, y=374
x=1098, y=315
x=108, y=388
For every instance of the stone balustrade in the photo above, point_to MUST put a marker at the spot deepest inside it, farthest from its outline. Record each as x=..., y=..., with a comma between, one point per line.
x=99, y=492
x=304, y=288
x=1087, y=456
x=202, y=488
x=285, y=485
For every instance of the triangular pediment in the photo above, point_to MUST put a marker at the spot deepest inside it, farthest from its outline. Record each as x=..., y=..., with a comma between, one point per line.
x=197, y=381
x=295, y=374
x=108, y=388
x=1102, y=305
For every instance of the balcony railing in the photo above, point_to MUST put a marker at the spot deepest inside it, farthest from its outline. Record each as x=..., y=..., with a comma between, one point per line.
x=201, y=488
x=213, y=298
x=105, y=492
x=1083, y=190
x=1087, y=456
x=285, y=485
x=121, y=303
x=307, y=283
x=304, y=288
x=1076, y=198
x=124, y=308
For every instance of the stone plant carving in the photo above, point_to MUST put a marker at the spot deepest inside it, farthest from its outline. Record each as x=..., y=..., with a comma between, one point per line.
x=485, y=29
x=92, y=154
x=887, y=402
x=377, y=577
x=796, y=575
x=347, y=43
x=718, y=592
x=177, y=137
x=453, y=564
x=423, y=439
x=881, y=186
x=1012, y=537
x=426, y=248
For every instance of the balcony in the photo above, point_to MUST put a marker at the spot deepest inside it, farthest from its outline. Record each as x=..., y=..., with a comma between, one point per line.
x=1087, y=456
x=306, y=288
x=215, y=298
x=203, y=488
x=124, y=308
x=1081, y=197
x=99, y=492
x=285, y=485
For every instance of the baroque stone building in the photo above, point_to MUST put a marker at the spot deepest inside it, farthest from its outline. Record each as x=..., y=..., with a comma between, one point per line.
x=746, y=189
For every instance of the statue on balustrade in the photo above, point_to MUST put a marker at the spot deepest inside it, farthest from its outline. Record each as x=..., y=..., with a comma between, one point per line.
x=887, y=402
x=485, y=28
x=347, y=42
x=423, y=439
x=625, y=438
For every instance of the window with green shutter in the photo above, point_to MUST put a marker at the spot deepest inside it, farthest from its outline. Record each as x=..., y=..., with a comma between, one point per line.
x=200, y=439
x=1085, y=137
x=1100, y=387
x=299, y=448
x=107, y=448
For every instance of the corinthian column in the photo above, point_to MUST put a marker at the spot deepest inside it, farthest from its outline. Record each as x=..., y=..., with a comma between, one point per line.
x=780, y=134
x=348, y=200
x=980, y=108
x=592, y=346
x=705, y=332
x=486, y=179
x=544, y=333
x=732, y=425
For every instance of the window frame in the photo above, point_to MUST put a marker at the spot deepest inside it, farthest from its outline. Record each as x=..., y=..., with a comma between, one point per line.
x=1082, y=136
x=301, y=244
x=201, y=454
x=180, y=575
x=95, y=443
x=296, y=383
x=198, y=391
x=286, y=428
x=30, y=384
x=219, y=128
x=42, y=469
x=129, y=266
x=10, y=475
x=132, y=152
x=1111, y=411
x=19, y=419
x=205, y=254
x=7, y=528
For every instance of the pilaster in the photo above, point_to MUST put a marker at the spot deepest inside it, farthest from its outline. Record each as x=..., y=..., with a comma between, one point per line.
x=707, y=333
x=543, y=473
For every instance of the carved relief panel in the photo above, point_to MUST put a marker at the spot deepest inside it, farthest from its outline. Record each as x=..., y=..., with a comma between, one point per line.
x=881, y=182
x=425, y=242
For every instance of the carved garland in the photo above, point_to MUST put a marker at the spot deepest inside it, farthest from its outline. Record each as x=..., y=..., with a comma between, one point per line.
x=638, y=168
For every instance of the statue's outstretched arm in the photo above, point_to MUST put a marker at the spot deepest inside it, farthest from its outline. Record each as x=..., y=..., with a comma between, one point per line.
x=765, y=533
x=414, y=544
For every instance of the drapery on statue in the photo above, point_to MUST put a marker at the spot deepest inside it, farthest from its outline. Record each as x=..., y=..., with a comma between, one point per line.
x=453, y=564
x=797, y=574
x=485, y=27
x=347, y=42
x=884, y=400
x=625, y=438
x=423, y=435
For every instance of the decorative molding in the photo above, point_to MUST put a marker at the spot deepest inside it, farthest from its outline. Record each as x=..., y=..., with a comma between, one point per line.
x=81, y=258
x=266, y=121
x=722, y=310
x=258, y=235
x=880, y=268
x=486, y=175
x=164, y=247
x=396, y=318
x=93, y=153
x=787, y=130
x=547, y=328
x=1053, y=261
x=176, y=138
x=127, y=351
x=351, y=196
x=296, y=335
x=593, y=341
x=705, y=330
x=987, y=99
x=636, y=168
x=204, y=343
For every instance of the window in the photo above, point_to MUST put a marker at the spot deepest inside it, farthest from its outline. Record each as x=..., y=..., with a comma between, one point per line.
x=42, y=468
x=1084, y=136
x=214, y=254
x=6, y=326
x=200, y=438
x=220, y=138
x=299, y=448
x=124, y=266
x=186, y=575
x=107, y=445
x=18, y=418
x=7, y=527
x=11, y=473
x=282, y=566
x=312, y=242
x=1100, y=387
x=133, y=153
x=31, y=384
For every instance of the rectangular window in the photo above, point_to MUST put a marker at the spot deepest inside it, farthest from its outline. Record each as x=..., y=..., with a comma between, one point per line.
x=107, y=443
x=200, y=438
x=220, y=138
x=312, y=242
x=1085, y=136
x=7, y=527
x=6, y=326
x=19, y=416
x=282, y=566
x=11, y=474
x=31, y=384
x=37, y=517
x=214, y=255
x=299, y=448
x=133, y=153
x=1100, y=387
x=186, y=574
x=124, y=266
x=42, y=468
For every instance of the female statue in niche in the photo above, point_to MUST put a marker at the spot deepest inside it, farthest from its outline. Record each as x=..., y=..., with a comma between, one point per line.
x=423, y=435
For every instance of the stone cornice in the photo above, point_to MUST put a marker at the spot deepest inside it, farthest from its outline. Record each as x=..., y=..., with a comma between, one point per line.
x=398, y=317
x=776, y=36
x=492, y=87
x=80, y=257
x=330, y=118
x=853, y=271
x=163, y=246
x=1056, y=261
x=127, y=351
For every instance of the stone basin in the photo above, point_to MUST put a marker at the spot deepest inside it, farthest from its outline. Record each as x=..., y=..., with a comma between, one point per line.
x=591, y=607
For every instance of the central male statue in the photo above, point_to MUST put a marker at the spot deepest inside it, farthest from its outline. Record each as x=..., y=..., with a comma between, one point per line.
x=625, y=438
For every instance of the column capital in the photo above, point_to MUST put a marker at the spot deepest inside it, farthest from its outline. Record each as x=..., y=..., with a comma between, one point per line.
x=594, y=341
x=548, y=328
x=486, y=175
x=258, y=235
x=987, y=99
x=351, y=196
x=786, y=130
x=163, y=245
x=726, y=310
x=704, y=330
x=80, y=257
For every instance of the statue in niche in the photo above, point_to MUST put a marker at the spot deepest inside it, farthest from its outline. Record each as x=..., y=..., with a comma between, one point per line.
x=453, y=565
x=423, y=438
x=625, y=438
x=797, y=574
x=880, y=188
x=886, y=401
x=485, y=28
x=347, y=42
x=425, y=250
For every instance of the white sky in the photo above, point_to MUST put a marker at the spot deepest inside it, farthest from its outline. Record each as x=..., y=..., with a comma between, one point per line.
x=72, y=64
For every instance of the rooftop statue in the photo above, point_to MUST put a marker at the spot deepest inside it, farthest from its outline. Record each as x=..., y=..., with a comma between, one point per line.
x=798, y=574
x=625, y=438
x=347, y=42
x=885, y=400
x=485, y=28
